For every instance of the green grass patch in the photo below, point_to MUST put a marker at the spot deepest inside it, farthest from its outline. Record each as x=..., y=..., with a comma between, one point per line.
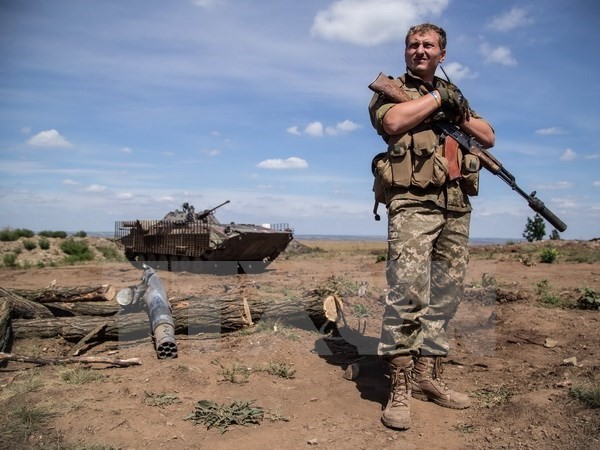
x=223, y=416
x=18, y=421
x=588, y=394
x=493, y=397
x=8, y=234
x=76, y=250
x=80, y=375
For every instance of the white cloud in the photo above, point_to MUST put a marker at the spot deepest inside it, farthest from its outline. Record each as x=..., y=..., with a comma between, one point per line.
x=593, y=156
x=568, y=155
x=126, y=150
x=342, y=127
x=291, y=163
x=96, y=188
x=125, y=196
x=499, y=55
x=314, y=129
x=69, y=182
x=373, y=22
x=596, y=183
x=550, y=131
x=49, y=138
x=213, y=152
x=516, y=17
x=317, y=129
x=205, y=3
x=457, y=72
x=556, y=185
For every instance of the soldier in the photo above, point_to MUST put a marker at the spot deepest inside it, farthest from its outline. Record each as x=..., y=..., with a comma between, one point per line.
x=428, y=223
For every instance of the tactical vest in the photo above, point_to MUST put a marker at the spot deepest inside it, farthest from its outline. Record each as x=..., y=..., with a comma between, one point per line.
x=416, y=158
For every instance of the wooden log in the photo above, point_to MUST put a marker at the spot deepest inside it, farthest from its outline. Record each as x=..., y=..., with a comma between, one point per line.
x=68, y=294
x=71, y=360
x=23, y=308
x=191, y=315
x=6, y=308
x=83, y=309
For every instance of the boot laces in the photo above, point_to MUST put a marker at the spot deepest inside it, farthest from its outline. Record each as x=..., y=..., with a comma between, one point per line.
x=400, y=393
x=436, y=374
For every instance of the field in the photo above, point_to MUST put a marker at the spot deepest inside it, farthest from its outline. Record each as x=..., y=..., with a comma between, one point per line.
x=525, y=347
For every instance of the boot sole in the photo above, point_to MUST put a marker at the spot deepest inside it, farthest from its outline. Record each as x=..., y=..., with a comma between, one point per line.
x=394, y=426
x=424, y=398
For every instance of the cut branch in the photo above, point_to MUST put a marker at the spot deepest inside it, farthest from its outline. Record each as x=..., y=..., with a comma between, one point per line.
x=101, y=293
x=71, y=360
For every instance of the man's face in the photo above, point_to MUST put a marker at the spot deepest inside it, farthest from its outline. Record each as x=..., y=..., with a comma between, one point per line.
x=423, y=54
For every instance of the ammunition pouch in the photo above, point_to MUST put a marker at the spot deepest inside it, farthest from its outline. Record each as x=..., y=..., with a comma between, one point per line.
x=469, y=181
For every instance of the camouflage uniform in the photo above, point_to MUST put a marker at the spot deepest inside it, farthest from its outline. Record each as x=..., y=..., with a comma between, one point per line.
x=428, y=234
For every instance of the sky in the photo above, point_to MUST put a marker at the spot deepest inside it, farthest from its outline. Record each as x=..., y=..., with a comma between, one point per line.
x=115, y=110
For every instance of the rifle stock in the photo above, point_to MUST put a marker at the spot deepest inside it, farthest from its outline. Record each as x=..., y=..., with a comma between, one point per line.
x=385, y=86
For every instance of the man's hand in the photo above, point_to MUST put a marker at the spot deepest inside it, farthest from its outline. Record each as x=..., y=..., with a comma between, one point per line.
x=454, y=105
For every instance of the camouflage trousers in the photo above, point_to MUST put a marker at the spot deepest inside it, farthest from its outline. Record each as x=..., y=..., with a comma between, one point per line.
x=426, y=267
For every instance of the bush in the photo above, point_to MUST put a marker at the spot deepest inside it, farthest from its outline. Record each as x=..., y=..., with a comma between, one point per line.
x=13, y=234
x=53, y=234
x=29, y=244
x=44, y=243
x=9, y=260
x=548, y=255
x=80, y=234
x=77, y=251
x=590, y=299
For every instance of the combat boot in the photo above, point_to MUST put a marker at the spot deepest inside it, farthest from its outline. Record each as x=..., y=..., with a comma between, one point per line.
x=397, y=411
x=427, y=384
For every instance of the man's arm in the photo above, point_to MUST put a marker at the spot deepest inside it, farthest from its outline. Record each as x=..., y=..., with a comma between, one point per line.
x=406, y=115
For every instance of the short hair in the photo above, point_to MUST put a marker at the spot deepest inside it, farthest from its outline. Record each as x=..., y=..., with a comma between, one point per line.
x=424, y=28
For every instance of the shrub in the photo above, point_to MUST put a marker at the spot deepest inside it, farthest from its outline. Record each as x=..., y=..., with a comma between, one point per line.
x=80, y=234
x=13, y=234
x=29, y=244
x=44, y=243
x=590, y=299
x=548, y=255
x=53, y=234
x=9, y=260
x=77, y=251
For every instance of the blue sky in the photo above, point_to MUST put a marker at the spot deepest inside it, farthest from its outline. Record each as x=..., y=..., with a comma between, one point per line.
x=113, y=110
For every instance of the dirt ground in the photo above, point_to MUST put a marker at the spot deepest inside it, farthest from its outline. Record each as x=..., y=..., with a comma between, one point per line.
x=508, y=353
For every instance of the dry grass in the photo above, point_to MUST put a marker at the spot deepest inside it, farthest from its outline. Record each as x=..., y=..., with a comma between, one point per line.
x=346, y=246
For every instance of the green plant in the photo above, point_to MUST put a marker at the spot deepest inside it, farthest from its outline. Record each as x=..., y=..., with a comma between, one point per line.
x=381, y=258
x=110, y=253
x=9, y=260
x=14, y=234
x=77, y=251
x=548, y=255
x=44, y=243
x=237, y=373
x=589, y=299
x=19, y=421
x=546, y=293
x=80, y=234
x=235, y=413
x=53, y=234
x=360, y=310
x=164, y=399
x=282, y=370
x=588, y=394
x=535, y=229
x=493, y=397
x=29, y=244
x=80, y=376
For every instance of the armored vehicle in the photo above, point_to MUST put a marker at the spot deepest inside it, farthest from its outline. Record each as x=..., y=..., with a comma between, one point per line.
x=198, y=242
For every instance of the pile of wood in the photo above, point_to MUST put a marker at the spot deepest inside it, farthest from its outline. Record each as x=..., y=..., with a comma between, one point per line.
x=84, y=315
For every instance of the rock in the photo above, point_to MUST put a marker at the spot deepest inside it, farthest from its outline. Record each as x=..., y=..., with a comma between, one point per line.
x=550, y=343
x=351, y=372
x=570, y=361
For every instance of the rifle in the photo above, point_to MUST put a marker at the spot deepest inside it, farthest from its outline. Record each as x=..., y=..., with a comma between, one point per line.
x=383, y=85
